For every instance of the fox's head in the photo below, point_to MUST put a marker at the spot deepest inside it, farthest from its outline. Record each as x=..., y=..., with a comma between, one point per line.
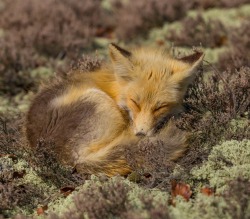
x=152, y=84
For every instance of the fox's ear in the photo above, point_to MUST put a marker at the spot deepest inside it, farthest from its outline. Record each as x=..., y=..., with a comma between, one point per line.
x=121, y=60
x=191, y=63
x=193, y=59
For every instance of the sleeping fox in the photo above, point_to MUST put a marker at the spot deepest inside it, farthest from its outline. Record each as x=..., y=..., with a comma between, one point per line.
x=92, y=116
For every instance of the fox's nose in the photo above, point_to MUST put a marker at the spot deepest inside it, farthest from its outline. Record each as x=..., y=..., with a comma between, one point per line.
x=140, y=134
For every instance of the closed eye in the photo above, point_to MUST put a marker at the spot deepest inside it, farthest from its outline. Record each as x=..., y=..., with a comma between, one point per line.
x=161, y=107
x=135, y=103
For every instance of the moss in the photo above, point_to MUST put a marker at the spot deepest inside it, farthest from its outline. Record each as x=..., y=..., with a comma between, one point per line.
x=27, y=189
x=17, y=104
x=41, y=73
x=234, y=203
x=202, y=207
x=107, y=5
x=160, y=33
x=4, y=104
x=61, y=204
x=136, y=196
x=227, y=161
x=230, y=17
x=33, y=178
x=136, y=193
x=238, y=126
x=212, y=55
x=102, y=43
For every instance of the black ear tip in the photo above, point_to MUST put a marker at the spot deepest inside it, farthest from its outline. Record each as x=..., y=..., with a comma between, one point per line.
x=113, y=44
x=121, y=50
x=192, y=58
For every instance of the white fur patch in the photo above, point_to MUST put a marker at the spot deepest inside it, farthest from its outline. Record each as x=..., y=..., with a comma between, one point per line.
x=94, y=90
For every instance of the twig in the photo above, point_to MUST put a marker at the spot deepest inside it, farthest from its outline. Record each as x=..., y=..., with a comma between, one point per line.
x=232, y=96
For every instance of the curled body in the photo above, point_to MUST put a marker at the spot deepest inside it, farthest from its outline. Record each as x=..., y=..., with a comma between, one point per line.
x=91, y=117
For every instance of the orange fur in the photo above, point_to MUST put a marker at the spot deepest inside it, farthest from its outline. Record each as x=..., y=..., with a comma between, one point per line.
x=123, y=101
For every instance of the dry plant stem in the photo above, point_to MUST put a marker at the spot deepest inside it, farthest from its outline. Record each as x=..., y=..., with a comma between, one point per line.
x=232, y=96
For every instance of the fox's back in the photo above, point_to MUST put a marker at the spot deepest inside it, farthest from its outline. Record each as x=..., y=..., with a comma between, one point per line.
x=90, y=117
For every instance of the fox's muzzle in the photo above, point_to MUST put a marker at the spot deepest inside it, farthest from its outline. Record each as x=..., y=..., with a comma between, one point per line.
x=143, y=125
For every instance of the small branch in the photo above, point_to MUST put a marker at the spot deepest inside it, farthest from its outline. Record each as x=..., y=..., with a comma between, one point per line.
x=232, y=96
x=4, y=126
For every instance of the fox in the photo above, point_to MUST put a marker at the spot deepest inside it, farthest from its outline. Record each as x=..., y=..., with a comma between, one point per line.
x=91, y=117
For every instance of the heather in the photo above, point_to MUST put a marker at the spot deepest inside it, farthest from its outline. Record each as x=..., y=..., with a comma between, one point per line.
x=29, y=41
x=44, y=39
